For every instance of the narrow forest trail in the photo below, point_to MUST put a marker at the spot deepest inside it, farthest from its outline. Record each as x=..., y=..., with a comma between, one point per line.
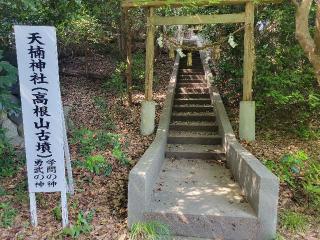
x=195, y=194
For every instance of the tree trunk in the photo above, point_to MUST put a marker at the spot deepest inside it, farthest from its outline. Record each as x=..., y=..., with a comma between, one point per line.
x=303, y=35
x=122, y=34
x=317, y=32
x=128, y=34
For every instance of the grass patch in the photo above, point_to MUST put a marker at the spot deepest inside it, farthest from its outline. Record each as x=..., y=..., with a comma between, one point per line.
x=57, y=213
x=294, y=221
x=7, y=215
x=89, y=142
x=149, y=231
x=97, y=164
x=82, y=225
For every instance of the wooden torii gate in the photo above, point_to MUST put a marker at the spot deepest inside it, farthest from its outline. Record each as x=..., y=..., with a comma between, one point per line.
x=247, y=105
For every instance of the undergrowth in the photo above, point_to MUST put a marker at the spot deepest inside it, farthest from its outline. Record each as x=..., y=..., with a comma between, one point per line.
x=294, y=221
x=301, y=173
x=82, y=225
x=90, y=142
x=7, y=214
x=149, y=231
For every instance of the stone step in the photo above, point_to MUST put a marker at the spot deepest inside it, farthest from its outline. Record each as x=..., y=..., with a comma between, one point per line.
x=198, y=198
x=202, y=101
x=192, y=85
x=195, y=151
x=194, y=66
x=192, y=95
x=193, y=117
x=188, y=71
x=200, y=68
x=190, y=76
x=194, y=126
x=192, y=81
x=192, y=90
x=176, y=137
x=192, y=108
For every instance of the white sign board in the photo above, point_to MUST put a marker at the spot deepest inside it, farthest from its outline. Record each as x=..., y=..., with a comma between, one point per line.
x=41, y=107
x=43, y=120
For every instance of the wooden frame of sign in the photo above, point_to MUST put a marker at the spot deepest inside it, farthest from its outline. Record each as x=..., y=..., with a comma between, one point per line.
x=46, y=144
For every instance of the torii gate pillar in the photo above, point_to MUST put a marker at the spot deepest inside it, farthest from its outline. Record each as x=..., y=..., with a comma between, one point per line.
x=247, y=106
x=148, y=113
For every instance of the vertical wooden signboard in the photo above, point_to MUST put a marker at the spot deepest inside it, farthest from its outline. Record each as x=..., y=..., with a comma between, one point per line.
x=43, y=121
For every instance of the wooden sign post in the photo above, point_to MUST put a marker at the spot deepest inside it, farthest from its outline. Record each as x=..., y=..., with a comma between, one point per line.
x=46, y=144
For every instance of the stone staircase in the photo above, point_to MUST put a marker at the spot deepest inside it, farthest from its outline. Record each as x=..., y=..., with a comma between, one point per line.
x=195, y=194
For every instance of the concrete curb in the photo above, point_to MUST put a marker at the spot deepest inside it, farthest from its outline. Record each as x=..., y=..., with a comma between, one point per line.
x=144, y=175
x=260, y=186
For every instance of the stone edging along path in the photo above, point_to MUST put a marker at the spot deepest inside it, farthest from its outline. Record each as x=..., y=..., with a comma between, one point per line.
x=259, y=185
x=144, y=175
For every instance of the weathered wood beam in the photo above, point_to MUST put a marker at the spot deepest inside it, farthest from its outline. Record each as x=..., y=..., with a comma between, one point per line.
x=189, y=3
x=249, y=53
x=200, y=19
x=149, y=55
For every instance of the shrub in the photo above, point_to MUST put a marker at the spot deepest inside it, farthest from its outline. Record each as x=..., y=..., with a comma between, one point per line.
x=81, y=32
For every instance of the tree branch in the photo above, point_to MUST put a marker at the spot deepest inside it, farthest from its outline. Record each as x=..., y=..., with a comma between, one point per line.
x=304, y=37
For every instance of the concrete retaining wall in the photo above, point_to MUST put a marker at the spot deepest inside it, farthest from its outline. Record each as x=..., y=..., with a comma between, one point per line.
x=144, y=175
x=259, y=185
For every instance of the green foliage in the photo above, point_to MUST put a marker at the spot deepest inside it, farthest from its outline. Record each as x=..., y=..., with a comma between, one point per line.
x=307, y=133
x=21, y=191
x=284, y=82
x=81, y=32
x=8, y=76
x=120, y=155
x=116, y=83
x=9, y=161
x=7, y=214
x=97, y=164
x=311, y=184
x=149, y=231
x=89, y=141
x=294, y=221
x=82, y=225
x=2, y=192
x=138, y=69
x=279, y=237
x=57, y=213
x=301, y=173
